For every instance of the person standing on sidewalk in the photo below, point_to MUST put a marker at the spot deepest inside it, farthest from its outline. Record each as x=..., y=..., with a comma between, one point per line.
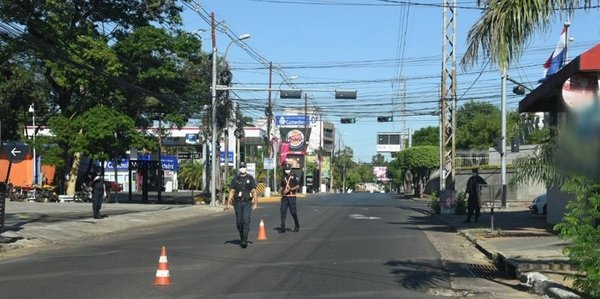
x=289, y=185
x=245, y=199
x=473, y=202
x=98, y=191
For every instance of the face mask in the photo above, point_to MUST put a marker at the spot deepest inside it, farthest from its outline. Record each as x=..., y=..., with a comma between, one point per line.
x=287, y=171
x=243, y=170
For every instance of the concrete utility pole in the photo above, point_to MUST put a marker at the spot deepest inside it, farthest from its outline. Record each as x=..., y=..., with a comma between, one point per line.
x=269, y=113
x=448, y=99
x=503, y=136
x=213, y=148
x=306, y=147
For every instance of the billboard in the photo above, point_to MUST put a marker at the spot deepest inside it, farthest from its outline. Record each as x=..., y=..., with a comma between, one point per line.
x=389, y=142
x=296, y=138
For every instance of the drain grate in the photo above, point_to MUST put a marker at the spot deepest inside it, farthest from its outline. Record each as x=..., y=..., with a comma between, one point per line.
x=487, y=271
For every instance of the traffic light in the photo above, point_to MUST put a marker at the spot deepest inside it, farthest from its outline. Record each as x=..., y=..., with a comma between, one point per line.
x=348, y=120
x=383, y=119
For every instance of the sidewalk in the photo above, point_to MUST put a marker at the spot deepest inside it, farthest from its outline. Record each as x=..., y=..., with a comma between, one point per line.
x=522, y=243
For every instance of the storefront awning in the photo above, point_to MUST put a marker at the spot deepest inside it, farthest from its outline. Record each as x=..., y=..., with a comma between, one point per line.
x=548, y=97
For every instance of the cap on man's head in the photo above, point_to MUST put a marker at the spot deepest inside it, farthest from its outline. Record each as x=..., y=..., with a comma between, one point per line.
x=475, y=170
x=242, y=164
x=287, y=166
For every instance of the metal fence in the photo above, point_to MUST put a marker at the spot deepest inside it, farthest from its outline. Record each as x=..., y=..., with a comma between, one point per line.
x=472, y=158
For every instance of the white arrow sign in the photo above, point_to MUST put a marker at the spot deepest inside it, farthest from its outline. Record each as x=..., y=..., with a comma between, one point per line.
x=14, y=152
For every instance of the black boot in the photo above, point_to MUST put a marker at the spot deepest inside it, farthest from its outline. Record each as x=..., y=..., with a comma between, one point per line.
x=297, y=224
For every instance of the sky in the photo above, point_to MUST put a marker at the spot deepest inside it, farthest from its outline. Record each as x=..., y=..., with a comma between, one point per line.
x=389, y=53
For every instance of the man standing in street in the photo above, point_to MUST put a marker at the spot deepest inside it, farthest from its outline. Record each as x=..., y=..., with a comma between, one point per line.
x=98, y=191
x=289, y=185
x=473, y=202
x=245, y=199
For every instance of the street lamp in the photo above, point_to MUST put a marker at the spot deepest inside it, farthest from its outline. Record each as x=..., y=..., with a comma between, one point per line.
x=214, y=161
x=35, y=172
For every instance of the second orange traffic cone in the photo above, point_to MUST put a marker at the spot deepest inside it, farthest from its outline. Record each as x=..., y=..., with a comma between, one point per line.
x=262, y=234
x=163, y=277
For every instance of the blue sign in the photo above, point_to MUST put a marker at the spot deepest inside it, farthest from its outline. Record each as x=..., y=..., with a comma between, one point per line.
x=192, y=138
x=167, y=162
x=295, y=120
x=121, y=165
x=229, y=157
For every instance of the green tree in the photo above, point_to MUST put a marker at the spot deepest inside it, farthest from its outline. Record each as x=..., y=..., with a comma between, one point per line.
x=478, y=125
x=420, y=161
x=342, y=167
x=84, y=54
x=378, y=160
x=395, y=172
x=426, y=136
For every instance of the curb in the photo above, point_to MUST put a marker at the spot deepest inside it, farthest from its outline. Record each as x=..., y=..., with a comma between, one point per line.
x=539, y=283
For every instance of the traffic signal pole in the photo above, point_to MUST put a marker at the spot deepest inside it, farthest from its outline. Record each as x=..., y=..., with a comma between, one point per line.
x=305, y=146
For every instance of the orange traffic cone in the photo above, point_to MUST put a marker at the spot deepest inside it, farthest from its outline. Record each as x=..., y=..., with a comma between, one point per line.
x=163, y=278
x=262, y=234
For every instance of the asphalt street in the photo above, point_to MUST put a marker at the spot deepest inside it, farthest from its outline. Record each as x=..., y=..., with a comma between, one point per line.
x=349, y=246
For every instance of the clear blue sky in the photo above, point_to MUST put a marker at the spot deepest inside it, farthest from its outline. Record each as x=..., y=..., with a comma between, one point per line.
x=348, y=45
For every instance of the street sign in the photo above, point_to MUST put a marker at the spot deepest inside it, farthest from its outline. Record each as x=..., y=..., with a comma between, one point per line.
x=15, y=151
x=268, y=163
x=295, y=121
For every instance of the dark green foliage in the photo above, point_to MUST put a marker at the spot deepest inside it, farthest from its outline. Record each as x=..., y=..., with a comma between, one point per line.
x=461, y=204
x=191, y=175
x=434, y=203
x=426, y=136
x=418, y=162
x=581, y=226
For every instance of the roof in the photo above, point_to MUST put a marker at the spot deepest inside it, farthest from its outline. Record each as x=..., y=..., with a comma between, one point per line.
x=548, y=96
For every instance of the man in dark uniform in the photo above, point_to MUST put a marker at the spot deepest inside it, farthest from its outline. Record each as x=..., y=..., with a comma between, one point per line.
x=289, y=185
x=473, y=202
x=244, y=197
x=98, y=191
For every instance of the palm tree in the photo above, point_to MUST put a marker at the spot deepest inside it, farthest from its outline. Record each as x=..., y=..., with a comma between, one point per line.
x=505, y=26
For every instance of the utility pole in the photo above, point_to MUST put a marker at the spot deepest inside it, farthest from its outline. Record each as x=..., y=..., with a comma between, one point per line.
x=213, y=149
x=306, y=146
x=269, y=113
x=503, y=136
x=320, y=156
x=403, y=119
x=448, y=99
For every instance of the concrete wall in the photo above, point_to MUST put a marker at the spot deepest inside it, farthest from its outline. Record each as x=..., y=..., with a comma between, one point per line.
x=521, y=195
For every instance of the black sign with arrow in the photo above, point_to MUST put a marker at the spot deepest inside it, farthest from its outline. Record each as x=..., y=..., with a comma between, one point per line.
x=15, y=151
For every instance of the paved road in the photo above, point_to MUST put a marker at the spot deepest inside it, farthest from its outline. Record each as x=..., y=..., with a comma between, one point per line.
x=349, y=246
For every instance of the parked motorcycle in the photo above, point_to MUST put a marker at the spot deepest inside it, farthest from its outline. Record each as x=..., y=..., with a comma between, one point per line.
x=84, y=194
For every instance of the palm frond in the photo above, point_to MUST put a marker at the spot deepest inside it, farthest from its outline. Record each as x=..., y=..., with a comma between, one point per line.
x=505, y=27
